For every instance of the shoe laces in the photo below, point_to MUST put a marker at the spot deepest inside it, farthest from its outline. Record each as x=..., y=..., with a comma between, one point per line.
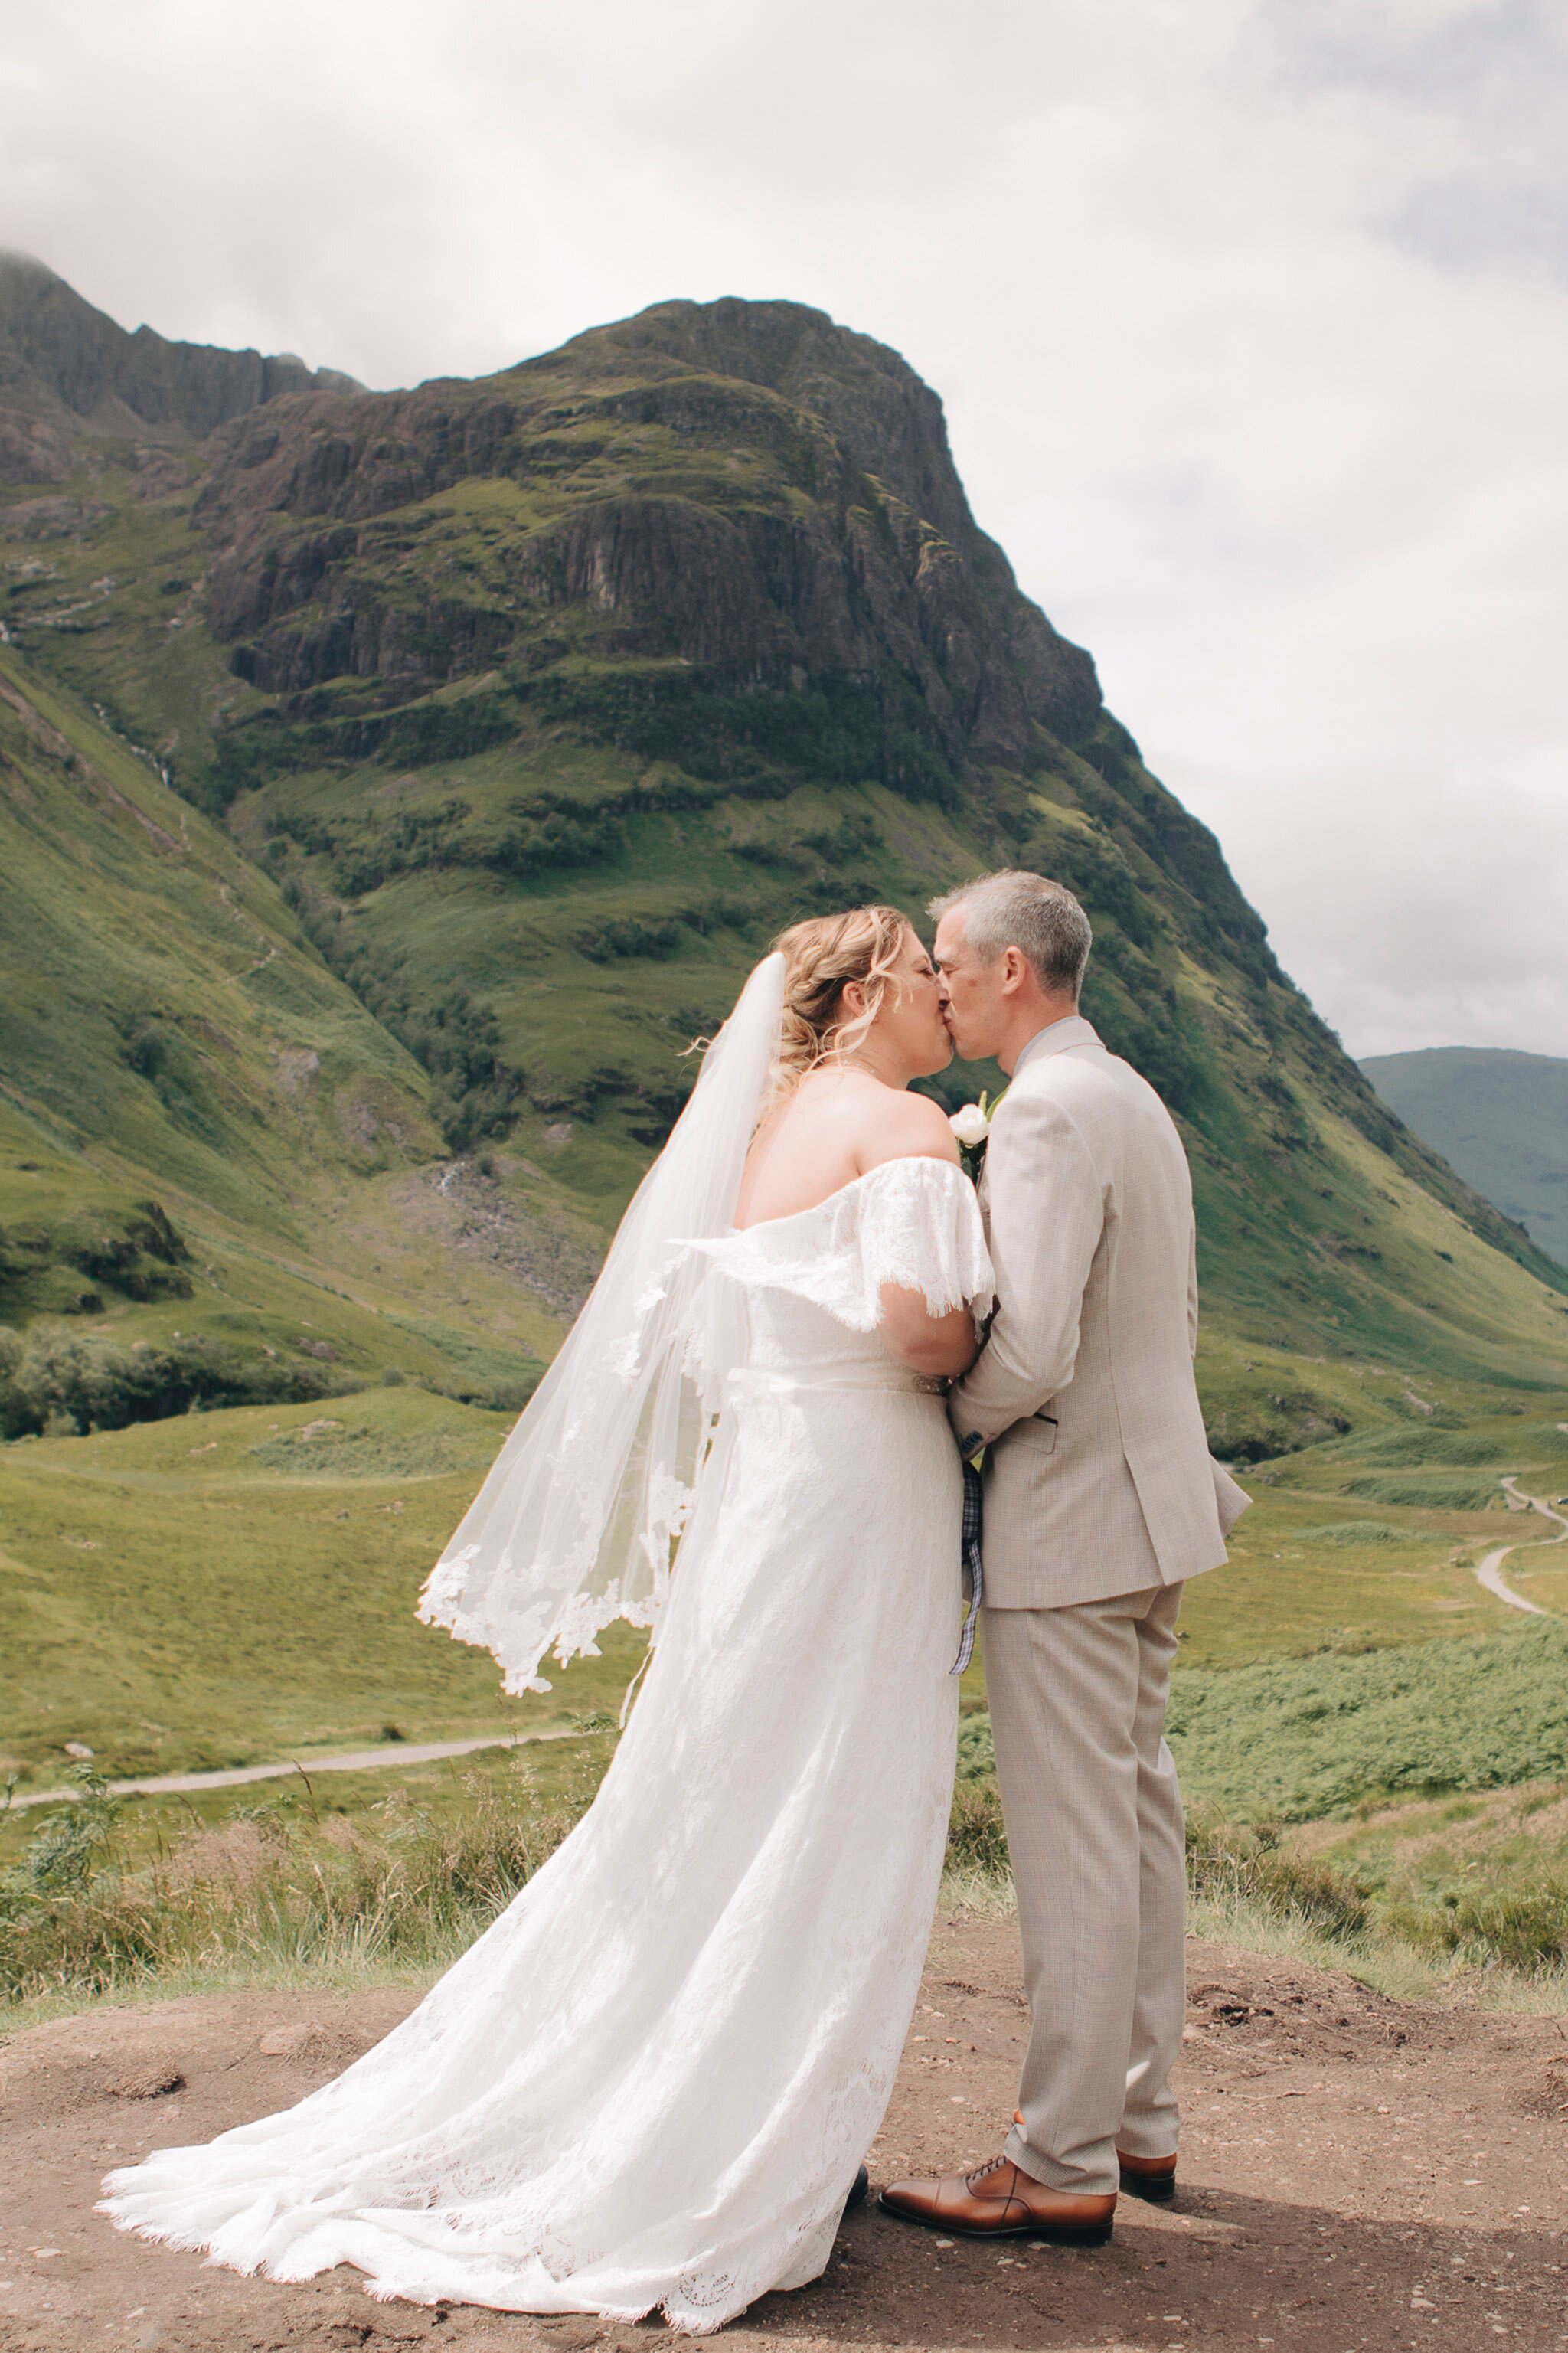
x=994, y=2165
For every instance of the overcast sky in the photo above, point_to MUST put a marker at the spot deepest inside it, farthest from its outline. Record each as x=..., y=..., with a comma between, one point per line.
x=1250, y=316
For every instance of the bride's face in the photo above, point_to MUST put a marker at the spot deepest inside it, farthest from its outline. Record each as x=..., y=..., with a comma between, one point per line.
x=909, y=1034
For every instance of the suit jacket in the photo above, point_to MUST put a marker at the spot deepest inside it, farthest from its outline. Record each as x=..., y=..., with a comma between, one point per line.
x=1099, y=1478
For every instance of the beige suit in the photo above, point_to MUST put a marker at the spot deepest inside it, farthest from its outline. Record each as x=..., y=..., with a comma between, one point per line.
x=1101, y=1499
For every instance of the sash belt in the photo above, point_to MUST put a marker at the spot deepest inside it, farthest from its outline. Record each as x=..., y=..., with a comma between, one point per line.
x=970, y=1557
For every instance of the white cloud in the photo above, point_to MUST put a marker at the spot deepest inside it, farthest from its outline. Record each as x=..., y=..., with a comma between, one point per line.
x=1248, y=314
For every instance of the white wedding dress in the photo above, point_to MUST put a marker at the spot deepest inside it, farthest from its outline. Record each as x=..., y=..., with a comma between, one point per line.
x=650, y=2082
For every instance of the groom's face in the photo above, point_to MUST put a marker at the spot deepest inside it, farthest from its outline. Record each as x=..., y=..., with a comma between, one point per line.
x=972, y=1002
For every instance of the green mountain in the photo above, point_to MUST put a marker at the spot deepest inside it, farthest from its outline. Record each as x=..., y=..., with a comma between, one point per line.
x=395, y=783
x=1501, y=1118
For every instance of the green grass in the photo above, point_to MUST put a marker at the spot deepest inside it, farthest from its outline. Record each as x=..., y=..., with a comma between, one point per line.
x=1293, y=1739
x=171, y=1036
x=1431, y=1491
x=102, y=1900
x=236, y=1587
x=355, y=1881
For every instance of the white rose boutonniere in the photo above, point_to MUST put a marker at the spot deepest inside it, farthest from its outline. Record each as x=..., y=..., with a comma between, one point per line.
x=972, y=1126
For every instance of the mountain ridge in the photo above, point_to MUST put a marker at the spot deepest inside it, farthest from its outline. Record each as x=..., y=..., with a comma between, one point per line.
x=66, y=366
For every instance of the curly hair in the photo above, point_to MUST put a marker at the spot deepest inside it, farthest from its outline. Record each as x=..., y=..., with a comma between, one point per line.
x=821, y=956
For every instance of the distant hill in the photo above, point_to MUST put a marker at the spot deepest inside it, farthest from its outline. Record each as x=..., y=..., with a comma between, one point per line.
x=393, y=784
x=1499, y=1117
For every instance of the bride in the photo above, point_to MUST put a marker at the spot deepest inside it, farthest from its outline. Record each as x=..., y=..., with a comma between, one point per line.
x=650, y=2082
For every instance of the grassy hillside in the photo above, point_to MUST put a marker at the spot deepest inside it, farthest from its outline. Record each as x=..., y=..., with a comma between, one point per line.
x=1499, y=1118
x=219, y=1174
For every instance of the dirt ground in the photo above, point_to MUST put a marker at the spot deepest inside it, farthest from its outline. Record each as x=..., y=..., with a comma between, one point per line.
x=1357, y=2176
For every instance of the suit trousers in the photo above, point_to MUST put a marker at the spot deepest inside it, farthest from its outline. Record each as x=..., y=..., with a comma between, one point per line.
x=1094, y=1825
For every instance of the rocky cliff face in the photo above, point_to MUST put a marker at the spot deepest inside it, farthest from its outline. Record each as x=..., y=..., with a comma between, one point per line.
x=63, y=364
x=702, y=487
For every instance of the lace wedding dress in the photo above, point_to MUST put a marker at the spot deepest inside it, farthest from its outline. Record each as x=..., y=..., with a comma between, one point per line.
x=650, y=2082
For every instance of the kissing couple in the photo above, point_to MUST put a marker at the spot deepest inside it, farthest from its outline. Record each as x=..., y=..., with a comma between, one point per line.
x=651, y=2081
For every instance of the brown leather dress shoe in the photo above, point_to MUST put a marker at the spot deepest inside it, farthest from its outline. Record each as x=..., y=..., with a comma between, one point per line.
x=1154, y=2177
x=998, y=2202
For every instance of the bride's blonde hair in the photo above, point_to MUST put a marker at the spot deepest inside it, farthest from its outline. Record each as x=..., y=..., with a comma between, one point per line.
x=821, y=957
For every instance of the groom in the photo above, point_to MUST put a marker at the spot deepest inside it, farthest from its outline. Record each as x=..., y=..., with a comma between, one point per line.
x=1100, y=1498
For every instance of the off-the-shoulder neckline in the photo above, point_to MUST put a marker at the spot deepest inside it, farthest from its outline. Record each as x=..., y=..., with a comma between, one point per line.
x=797, y=1217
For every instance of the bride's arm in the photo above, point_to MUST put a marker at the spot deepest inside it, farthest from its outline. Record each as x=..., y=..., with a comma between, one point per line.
x=912, y=1128
x=925, y=1342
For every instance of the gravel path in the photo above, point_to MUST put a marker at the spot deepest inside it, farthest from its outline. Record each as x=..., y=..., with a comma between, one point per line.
x=1488, y=1571
x=1358, y=2177
x=363, y=1760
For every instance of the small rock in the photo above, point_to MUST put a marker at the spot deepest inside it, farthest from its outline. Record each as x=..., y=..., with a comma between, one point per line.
x=148, y=2084
x=292, y=2042
x=78, y=1749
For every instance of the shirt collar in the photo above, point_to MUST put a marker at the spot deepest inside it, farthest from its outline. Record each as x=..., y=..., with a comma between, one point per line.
x=1071, y=1029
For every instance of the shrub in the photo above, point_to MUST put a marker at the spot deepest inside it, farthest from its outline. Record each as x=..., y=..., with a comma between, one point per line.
x=1294, y=1738
x=1433, y=1490
x=1522, y=1929
x=95, y=1385
x=1364, y=1532
x=630, y=936
x=1247, y=1864
x=976, y=1749
x=137, y=1252
x=548, y=838
x=1398, y=1449
x=976, y=1835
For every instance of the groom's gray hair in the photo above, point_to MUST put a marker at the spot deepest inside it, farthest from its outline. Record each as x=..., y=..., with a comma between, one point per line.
x=1017, y=910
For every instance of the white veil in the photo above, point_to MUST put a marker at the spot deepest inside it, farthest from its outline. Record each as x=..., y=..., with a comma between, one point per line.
x=574, y=1524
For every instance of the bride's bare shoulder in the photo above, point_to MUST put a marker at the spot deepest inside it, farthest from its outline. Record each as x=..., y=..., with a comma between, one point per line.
x=897, y=1126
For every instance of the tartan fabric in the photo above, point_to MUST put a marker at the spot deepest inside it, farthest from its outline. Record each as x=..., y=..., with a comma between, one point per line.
x=970, y=1555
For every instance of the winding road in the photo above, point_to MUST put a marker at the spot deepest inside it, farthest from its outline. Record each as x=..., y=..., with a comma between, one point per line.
x=1489, y=1572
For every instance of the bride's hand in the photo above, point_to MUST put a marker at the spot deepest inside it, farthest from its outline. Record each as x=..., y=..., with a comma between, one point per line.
x=926, y=1343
